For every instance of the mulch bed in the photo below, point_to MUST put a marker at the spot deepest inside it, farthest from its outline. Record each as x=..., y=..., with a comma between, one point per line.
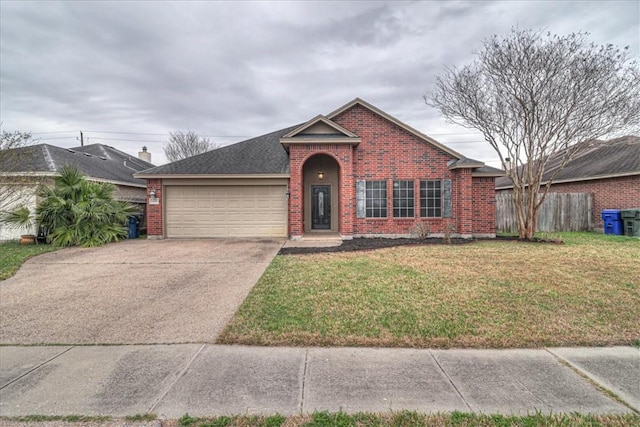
x=366, y=244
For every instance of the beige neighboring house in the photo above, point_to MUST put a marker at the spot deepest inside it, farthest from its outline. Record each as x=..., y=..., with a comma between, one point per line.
x=24, y=169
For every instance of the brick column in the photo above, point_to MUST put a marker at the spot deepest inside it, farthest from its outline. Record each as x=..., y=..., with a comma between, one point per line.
x=296, y=199
x=465, y=202
x=155, y=228
x=347, y=193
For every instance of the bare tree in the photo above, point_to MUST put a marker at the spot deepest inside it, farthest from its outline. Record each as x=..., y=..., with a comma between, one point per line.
x=15, y=139
x=182, y=145
x=539, y=98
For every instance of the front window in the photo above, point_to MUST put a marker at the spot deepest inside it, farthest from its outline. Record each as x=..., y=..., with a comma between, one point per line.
x=431, y=199
x=403, y=199
x=376, y=199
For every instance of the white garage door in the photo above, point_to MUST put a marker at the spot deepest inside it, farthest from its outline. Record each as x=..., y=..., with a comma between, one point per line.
x=226, y=211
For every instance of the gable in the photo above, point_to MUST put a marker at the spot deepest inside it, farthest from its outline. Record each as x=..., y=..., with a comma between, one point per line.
x=320, y=130
x=376, y=111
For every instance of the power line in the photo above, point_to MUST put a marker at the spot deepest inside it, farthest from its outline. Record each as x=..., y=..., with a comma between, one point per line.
x=138, y=133
x=121, y=139
x=458, y=133
x=59, y=137
x=127, y=133
x=57, y=131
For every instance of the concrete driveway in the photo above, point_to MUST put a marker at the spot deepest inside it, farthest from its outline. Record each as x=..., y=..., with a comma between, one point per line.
x=132, y=292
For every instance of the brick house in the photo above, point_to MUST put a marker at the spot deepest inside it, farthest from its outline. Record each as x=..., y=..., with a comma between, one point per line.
x=354, y=172
x=609, y=171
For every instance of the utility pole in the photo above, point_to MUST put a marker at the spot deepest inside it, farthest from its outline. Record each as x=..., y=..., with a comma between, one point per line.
x=81, y=139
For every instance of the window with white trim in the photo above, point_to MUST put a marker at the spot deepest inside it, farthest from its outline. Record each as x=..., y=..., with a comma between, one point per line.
x=403, y=199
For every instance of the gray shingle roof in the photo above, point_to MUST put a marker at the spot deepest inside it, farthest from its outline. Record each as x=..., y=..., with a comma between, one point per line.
x=489, y=170
x=97, y=161
x=261, y=155
x=620, y=156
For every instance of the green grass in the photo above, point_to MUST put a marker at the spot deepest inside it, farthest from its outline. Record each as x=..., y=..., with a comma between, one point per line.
x=490, y=294
x=13, y=255
x=141, y=417
x=413, y=419
x=341, y=419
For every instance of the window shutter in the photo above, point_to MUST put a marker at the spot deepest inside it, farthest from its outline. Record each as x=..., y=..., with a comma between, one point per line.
x=360, y=199
x=446, y=198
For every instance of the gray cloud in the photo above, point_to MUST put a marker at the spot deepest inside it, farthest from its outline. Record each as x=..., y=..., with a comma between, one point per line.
x=246, y=68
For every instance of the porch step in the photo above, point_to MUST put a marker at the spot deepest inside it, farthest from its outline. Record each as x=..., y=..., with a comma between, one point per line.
x=315, y=240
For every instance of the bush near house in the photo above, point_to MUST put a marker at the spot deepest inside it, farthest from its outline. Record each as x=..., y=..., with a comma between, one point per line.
x=78, y=212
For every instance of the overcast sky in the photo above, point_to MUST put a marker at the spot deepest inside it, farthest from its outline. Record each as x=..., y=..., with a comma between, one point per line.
x=127, y=73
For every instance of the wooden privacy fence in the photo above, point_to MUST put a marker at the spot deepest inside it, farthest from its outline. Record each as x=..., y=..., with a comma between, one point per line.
x=559, y=212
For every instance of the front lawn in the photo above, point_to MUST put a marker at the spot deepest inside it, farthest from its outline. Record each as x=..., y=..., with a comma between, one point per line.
x=496, y=294
x=13, y=255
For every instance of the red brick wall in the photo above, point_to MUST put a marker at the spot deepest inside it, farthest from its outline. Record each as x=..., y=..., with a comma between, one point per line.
x=388, y=152
x=611, y=193
x=154, y=212
x=298, y=155
x=484, y=206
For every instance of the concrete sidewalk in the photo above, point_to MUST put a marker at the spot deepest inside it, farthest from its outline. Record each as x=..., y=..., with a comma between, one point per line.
x=208, y=380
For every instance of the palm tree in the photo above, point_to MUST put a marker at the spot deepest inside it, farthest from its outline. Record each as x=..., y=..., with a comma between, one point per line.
x=79, y=212
x=20, y=218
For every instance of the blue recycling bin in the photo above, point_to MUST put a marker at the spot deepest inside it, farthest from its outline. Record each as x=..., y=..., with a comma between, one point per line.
x=612, y=222
x=134, y=227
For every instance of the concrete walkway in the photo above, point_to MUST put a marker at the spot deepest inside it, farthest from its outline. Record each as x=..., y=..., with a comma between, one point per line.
x=208, y=380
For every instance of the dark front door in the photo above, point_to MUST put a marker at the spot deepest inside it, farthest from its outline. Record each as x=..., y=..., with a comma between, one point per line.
x=320, y=207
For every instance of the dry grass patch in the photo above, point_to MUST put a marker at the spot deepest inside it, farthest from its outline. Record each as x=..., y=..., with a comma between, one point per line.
x=408, y=419
x=488, y=294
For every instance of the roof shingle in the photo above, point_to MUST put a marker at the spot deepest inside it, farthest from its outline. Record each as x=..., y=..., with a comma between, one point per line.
x=96, y=161
x=615, y=157
x=262, y=155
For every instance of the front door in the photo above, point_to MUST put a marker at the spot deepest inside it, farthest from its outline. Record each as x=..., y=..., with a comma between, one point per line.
x=320, y=207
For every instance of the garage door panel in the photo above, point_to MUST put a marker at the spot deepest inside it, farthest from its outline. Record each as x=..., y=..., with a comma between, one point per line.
x=226, y=211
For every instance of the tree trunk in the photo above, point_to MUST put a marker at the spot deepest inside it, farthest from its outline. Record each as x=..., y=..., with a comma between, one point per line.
x=520, y=214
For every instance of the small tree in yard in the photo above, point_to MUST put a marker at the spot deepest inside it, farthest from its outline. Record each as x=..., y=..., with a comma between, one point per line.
x=78, y=212
x=539, y=98
x=182, y=145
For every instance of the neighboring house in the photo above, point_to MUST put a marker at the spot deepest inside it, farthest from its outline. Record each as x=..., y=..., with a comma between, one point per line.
x=24, y=169
x=609, y=170
x=355, y=172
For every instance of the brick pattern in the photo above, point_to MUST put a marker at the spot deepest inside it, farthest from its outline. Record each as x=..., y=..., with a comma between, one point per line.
x=388, y=152
x=154, y=212
x=484, y=206
x=610, y=193
x=343, y=155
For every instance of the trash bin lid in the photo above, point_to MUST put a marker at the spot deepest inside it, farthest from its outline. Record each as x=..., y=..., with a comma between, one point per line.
x=611, y=212
x=630, y=213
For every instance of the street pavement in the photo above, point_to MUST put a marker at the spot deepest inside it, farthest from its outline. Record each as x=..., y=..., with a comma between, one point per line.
x=210, y=380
